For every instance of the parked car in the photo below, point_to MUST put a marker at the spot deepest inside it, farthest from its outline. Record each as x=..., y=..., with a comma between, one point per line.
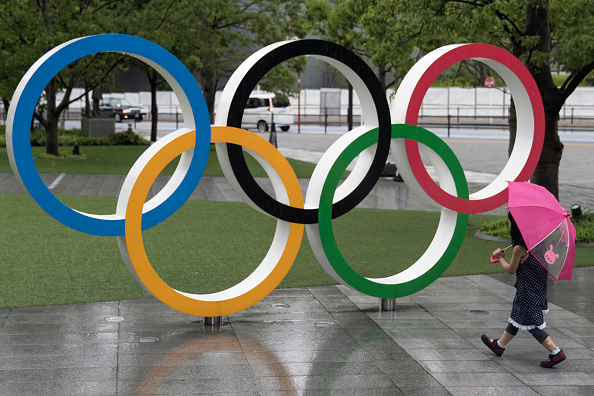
x=263, y=108
x=120, y=109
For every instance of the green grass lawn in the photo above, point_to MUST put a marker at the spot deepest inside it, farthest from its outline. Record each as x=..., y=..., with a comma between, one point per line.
x=202, y=248
x=205, y=247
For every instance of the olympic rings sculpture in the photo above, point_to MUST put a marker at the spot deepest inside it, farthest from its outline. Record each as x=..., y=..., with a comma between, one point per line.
x=324, y=199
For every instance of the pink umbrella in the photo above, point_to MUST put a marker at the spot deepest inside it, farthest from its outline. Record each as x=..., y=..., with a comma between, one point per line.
x=545, y=226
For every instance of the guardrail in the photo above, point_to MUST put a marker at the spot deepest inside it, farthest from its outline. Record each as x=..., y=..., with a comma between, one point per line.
x=457, y=116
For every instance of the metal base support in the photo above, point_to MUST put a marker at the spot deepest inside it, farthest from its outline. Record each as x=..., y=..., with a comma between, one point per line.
x=212, y=320
x=272, y=138
x=387, y=304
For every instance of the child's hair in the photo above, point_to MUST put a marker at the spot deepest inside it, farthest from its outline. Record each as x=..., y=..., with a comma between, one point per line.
x=514, y=230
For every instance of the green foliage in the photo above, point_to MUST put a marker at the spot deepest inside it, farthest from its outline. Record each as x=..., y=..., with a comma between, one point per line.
x=282, y=79
x=370, y=29
x=572, y=25
x=29, y=29
x=560, y=78
x=126, y=139
x=391, y=33
x=74, y=137
x=584, y=227
x=37, y=138
x=210, y=36
x=544, y=34
x=497, y=228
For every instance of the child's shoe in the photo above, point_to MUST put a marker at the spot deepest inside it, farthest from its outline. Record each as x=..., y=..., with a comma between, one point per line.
x=553, y=359
x=492, y=344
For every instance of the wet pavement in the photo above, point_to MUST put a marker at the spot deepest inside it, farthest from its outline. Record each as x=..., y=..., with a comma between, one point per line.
x=320, y=340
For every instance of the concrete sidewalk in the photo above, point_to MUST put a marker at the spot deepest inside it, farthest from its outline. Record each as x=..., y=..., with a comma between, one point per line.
x=321, y=340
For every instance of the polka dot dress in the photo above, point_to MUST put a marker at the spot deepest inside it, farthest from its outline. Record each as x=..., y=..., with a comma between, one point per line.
x=530, y=302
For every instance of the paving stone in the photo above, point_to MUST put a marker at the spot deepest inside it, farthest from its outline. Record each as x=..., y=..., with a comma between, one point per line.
x=416, y=391
x=187, y=386
x=484, y=379
x=63, y=388
x=557, y=377
x=319, y=368
x=318, y=382
x=176, y=372
x=50, y=374
x=500, y=390
x=572, y=390
x=181, y=359
x=453, y=366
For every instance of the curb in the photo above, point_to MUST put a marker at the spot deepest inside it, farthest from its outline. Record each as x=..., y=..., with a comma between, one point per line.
x=480, y=235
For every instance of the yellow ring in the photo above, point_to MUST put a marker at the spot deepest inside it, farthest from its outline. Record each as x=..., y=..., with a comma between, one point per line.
x=244, y=294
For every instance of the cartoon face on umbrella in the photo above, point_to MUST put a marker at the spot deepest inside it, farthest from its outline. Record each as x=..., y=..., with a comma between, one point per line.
x=545, y=226
x=551, y=256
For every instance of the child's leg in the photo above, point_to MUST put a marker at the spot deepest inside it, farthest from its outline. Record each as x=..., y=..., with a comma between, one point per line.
x=509, y=333
x=543, y=338
x=556, y=355
x=498, y=346
x=549, y=344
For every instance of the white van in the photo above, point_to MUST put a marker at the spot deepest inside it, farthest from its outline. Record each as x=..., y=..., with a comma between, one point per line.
x=262, y=108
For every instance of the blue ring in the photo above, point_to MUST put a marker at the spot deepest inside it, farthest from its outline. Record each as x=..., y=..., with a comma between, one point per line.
x=31, y=88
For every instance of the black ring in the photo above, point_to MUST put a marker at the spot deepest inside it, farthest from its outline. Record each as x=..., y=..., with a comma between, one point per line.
x=278, y=55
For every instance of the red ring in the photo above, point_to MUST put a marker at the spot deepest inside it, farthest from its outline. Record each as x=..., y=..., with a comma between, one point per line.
x=506, y=59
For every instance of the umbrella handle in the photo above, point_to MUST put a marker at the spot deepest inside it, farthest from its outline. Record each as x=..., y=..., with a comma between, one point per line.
x=493, y=260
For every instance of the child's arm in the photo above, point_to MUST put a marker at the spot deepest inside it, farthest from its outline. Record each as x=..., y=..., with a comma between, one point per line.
x=518, y=254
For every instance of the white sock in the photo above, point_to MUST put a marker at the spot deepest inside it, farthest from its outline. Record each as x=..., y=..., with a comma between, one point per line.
x=500, y=344
x=556, y=351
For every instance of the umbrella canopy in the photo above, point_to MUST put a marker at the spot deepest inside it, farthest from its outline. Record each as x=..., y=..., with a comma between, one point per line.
x=545, y=226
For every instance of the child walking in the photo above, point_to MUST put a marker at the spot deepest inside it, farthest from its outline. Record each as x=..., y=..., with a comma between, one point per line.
x=530, y=302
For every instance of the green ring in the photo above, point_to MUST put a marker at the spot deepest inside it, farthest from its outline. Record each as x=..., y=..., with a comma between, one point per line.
x=342, y=268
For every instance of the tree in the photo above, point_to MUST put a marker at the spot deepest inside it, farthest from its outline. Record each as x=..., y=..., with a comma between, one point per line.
x=217, y=35
x=357, y=25
x=539, y=32
x=155, y=20
x=211, y=37
x=8, y=79
x=346, y=22
x=29, y=29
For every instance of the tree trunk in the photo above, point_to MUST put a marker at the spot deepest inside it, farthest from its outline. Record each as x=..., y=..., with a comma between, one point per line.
x=153, y=78
x=87, y=112
x=6, y=103
x=546, y=173
x=53, y=116
x=97, y=96
x=513, y=126
x=350, y=109
x=381, y=75
x=209, y=88
x=52, y=119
